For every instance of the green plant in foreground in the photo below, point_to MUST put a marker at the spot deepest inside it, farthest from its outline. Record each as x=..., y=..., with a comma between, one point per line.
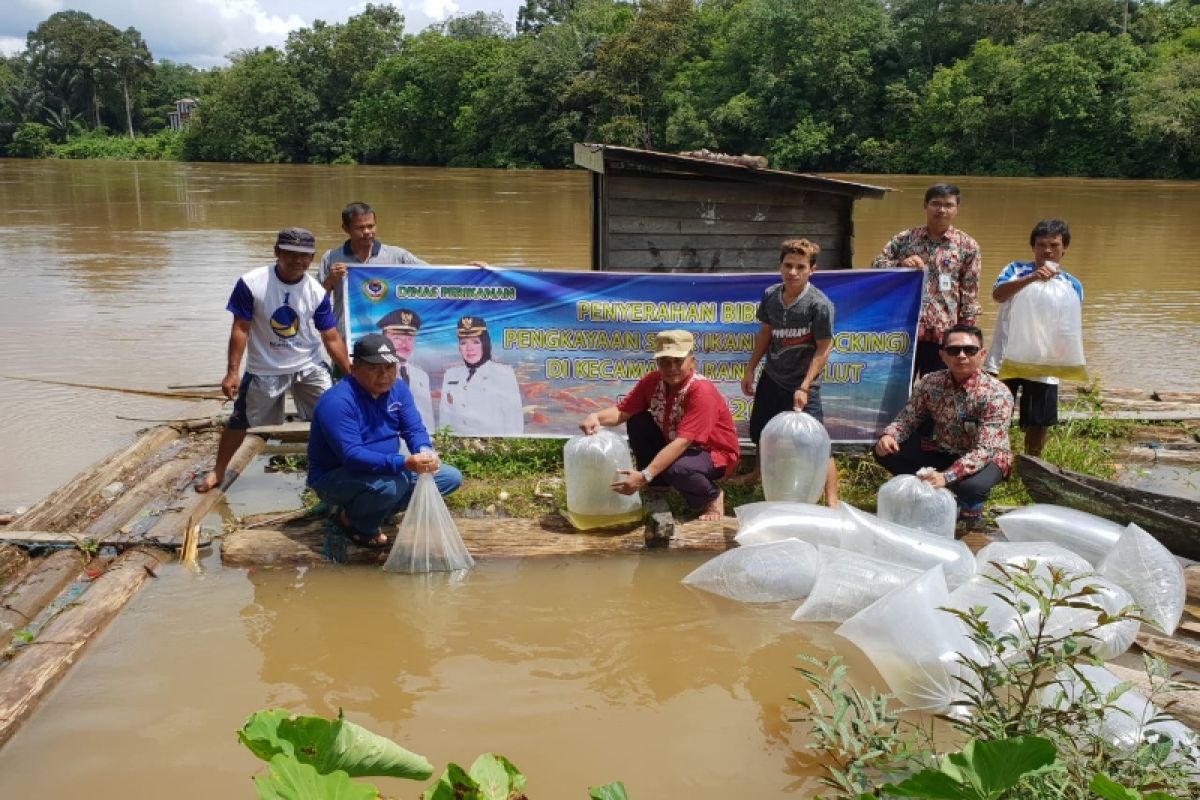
x=313, y=758
x=1015, y=694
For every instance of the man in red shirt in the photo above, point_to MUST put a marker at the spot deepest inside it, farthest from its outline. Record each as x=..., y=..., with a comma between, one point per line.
x=679, y=427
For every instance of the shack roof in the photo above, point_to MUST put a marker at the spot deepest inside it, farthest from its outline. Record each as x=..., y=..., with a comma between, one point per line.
x=600, y=157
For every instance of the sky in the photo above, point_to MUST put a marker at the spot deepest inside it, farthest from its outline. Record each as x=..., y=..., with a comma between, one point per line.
x=203, y=32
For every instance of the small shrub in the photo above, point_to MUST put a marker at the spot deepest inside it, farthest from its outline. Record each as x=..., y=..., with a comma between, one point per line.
x=30, y=140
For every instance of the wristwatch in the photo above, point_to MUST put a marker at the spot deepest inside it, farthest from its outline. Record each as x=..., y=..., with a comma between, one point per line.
x=648, y=475
x=948, y=477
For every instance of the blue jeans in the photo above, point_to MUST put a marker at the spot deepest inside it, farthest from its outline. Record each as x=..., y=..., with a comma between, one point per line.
x=369, y=499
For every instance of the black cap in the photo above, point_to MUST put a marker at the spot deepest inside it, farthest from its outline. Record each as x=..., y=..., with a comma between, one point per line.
x=402, y=319
x=375, y=348
x=471, y=327
x=297, y=240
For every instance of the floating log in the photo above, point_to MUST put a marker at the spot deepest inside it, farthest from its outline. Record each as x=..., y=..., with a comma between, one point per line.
x=26, y=599
x=58, y=508
x=299, y=542
x=13, y=560
x=40, y=664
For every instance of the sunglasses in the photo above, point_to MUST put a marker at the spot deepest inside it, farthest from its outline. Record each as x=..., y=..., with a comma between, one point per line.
x=960, y=349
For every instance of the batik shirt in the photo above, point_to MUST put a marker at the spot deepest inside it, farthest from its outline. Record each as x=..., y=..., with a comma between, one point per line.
x=952, y=265
x=969, y=421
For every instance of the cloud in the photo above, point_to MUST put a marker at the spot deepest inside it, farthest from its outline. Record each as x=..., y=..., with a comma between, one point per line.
x=204, y=32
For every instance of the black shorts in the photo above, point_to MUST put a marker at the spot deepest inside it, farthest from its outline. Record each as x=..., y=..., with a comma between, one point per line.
x=1037, y=404
x=770, y=399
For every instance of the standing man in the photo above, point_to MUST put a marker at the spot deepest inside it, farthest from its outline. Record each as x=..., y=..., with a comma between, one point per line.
x=969, y=451
x=1038, y=398
x=400, y=327
x=679, y=427
x=358, y=221
x=796, y=336
x=951, y=260
x=281, y=315
x=354, y=463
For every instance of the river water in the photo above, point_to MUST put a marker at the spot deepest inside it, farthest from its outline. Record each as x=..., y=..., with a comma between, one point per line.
x=580, y=670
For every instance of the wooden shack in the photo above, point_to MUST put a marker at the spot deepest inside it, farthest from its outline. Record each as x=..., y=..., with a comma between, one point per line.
x=661, y=212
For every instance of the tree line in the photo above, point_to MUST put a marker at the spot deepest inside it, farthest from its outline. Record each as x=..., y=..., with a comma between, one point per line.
x=999, y=87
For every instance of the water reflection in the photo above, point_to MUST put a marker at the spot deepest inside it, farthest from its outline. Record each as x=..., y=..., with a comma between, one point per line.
x=590, y=649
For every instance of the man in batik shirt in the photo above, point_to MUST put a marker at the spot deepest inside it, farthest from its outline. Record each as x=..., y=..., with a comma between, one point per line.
x=951, y=261
x=968, y=452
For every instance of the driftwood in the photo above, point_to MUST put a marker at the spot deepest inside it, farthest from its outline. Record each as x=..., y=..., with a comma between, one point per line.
x=13, y=560
x=26, y=599
x=1184, y=706
x=57, y=509
x=1177, y=651
x=40, y=665
x=300, y=541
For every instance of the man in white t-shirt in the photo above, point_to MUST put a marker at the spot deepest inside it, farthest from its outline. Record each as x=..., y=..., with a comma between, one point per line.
x=281, y=317
x=1037, y=400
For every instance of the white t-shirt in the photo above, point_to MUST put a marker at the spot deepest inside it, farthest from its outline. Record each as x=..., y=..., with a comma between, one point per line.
x=285, y=321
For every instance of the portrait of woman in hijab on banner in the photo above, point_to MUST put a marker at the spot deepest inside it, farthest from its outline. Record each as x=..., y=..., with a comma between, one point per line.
x=480, y=397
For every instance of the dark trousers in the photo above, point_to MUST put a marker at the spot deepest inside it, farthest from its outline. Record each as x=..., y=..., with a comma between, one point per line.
x=693, y=474
x=970, y=491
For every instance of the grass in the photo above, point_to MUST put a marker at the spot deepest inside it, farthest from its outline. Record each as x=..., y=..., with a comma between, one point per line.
x=514, y=477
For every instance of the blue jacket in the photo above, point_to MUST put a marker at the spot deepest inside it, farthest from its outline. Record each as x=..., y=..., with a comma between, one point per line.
x=351, y=429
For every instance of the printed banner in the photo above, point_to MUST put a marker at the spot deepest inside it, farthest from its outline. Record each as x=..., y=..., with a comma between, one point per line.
x=561, y=344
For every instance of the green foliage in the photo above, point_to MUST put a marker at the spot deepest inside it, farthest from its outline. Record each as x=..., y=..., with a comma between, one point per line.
x=312, y=758
x=982, y=771
x=1108, y=789
x=1055, y=87
x=31, y=140
x=164, y=145
x=330, y=746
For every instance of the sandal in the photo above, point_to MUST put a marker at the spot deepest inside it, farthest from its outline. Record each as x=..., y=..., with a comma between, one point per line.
x=376, y=542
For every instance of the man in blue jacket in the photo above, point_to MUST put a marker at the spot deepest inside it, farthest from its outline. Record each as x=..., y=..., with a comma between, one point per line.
x=354, y=463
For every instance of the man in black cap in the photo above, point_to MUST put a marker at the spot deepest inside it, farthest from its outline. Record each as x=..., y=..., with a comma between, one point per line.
x=354, y=461
x=400, y=327
x=480, y=397
x=281, y=317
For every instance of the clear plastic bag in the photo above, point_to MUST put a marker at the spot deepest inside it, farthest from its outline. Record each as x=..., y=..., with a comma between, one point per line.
x=759, y=573
x=1043, y=554
x=1045, y=333
x=847, y=582
x=771, y=521
x=1148, y=571
x=908, y=547
x=1134, y=718
x=794, y=456
x=1080, y=532
x=914, y=644
x=590, y=465
x=428, y=540
x=907, y=500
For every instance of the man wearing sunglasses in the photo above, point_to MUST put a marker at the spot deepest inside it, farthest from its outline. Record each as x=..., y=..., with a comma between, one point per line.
x=968, y=452
x=680, y=429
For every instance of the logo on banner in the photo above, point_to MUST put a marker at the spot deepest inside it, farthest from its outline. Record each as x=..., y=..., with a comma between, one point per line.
x=375, y=289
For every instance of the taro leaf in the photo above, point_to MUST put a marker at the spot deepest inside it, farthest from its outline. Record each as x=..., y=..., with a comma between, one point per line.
x=337, y=744
x=330, y=745
x=982, y=770
x=455, y=784
x=1107, y=789
x=995, y=767
x=288, y=779
x=260, y=734
x=498, y=779
x=611, y=791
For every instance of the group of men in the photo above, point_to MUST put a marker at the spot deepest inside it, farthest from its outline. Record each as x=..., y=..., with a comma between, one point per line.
x=953, y=431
